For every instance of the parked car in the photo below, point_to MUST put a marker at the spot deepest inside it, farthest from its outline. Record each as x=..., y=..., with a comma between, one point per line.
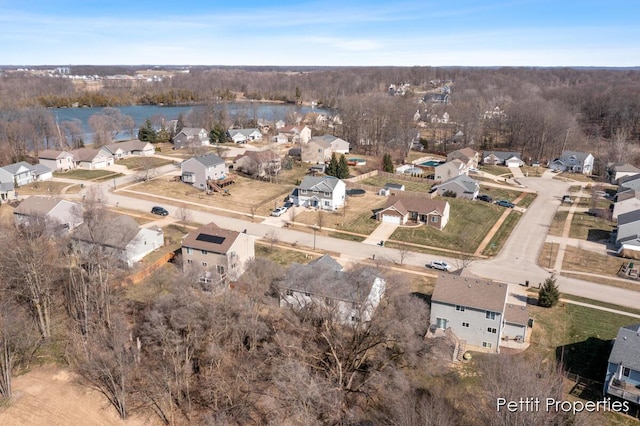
x=440, y=265
x=484, y=197
x=159, y=211
x=567, y=199
x=473, y=170
x=505, y=203
x=278, y=211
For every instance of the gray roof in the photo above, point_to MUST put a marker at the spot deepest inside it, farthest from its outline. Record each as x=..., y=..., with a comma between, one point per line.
x=322, y=280
x=52, y=154
x=624, y=167
x=6, y=186
x=41, y=169
x=13, y=168
x=37, y=206
x=327, y=261
x=470, y=185
x=627, y=181
x=470, y=292
x=133, y=145
x=626, y=348
x=567, y=156
x=516, y=314
x=319, y=183
x=629, y=217
x=116, y=230
x=209, y=160
x=391, y=185
x=502, y=155
x=243, y=132
x=191, y=131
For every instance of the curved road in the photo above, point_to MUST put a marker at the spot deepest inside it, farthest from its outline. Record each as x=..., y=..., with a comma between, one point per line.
x=516, y=263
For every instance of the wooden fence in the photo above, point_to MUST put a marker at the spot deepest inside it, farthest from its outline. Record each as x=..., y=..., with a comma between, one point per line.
x=149, y=269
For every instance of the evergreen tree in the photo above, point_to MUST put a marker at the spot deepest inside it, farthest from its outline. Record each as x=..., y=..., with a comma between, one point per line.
x=549, y=293
x=146, y=133
x=332, y=167
x=163, y=135
x=218, y=134
x=387, y=163
x=343, y=168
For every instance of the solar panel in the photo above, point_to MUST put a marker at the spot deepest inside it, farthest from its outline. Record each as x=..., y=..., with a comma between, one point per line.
x=215, y=239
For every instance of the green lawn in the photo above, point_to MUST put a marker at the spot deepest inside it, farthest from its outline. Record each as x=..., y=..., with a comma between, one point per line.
x=527, y=200
x=586, y=227
x=140, y=163
x=282, y=256
x=469, y=223
x=379, y=181
x=501, y=236
x=83, y=174
x=557, y=225
x=499, y=193
x=361, y=223
x=501, y=171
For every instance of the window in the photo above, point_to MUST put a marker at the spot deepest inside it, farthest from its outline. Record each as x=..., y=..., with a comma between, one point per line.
x=327, y=203
x=220, y=269
x=460, y=308
x=204, y=264
x=327, y=194
x=492, y=330
x=308, y=294
x=289, y=292
x=490, y=315
x=626, y=371
x=465, y=324
x=189, y=261
x=204, y=251
x=303, y=191
x=189, y=250
x=487, y=345
x=354, y=318
x=434, y=219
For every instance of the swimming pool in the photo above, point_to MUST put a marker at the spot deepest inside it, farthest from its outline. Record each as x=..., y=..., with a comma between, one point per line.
x=430, y=163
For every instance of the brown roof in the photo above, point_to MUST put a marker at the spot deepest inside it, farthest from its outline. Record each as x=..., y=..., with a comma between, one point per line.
x=210, y=238
x=468, y=152
x=516, y=314
x=474, y=293
x=51, y=154
x=405, y=203
x=36, y=206
x=87, y=154
x=260, y=156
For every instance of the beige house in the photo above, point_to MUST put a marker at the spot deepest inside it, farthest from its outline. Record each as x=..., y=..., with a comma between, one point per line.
x=401, y=209
x=320, y=148
x=296, y=133
x=258, y=163
x=450, y=169
x=90, y=158
x=467, y=155
x=57, y=160
x=217, y=255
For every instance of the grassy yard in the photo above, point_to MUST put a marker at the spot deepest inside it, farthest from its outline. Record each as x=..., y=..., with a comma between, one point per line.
x=281, y=255
x=469, y=223
x=501, y=171
x=586, y=227
x=576, y=259
x=380, y=181
x=557, y=225
x=499, y=193
x=527, y=200
x=48, y=188
x=84, y=174
x=143, y=163
x=501, y=236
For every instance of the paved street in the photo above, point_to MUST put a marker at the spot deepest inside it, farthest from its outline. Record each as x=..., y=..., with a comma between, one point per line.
x=516, y=263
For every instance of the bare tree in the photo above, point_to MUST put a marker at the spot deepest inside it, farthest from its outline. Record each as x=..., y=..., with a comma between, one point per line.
x=320, y=220
x=272, y=238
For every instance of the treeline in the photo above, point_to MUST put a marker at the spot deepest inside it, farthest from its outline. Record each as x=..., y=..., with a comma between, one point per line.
x=193, y=355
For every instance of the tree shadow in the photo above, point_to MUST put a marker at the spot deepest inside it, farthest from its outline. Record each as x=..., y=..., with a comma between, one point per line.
x=587, y=359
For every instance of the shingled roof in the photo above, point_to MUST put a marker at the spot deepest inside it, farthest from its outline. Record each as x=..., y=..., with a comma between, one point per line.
x=471, y=292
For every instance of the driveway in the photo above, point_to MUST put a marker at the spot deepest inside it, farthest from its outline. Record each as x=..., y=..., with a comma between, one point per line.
x=381, y=233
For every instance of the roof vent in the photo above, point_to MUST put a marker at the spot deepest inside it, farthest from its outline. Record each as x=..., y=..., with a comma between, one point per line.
x=469, y=285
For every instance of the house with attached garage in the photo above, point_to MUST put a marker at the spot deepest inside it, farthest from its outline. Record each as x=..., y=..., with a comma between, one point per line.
x=400, y=209
x=190, y=137
x=244, y=135
x=320, y=148
x=90, y=158
x=480, y=313
x=623, y=368
x=450, y=169
x=627, y=236
x=53, y=213
x=19, y=174
x=118, y=237
x=130, y=148
x=502, y=158
x=198, y=170
x=323, y=192
x=626, y=201
x=216, y=255
x=296, y=133
x=618, y=171
x=462, y=186
x=468, y=156
x=573, y=161
x=57, y=160
x=346, y=297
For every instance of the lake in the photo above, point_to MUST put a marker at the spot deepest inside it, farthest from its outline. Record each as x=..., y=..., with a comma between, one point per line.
x=140, y=113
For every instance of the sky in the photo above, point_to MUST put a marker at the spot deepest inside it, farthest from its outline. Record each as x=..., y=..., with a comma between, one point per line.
x=321, y=33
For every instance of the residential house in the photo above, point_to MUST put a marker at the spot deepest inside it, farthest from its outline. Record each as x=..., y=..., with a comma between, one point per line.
x=198, y=170
x=400, y=209
x=57, y=160
x=629, y=182
x=442, y=120
x=463, y=186
x=467, y=155
x=42, y=172
x=21, y=173
x=55, y=213
x=130, y=148
x=280, y=139
x=478, y=312
x=296, y=133
x=626, y=201
x=324, y=192
x=618, y=171
x=320, y=148
x=190, y=137
x=573, y=161
x=260, y=164
x=627, y=236
x=347, y=297
x=450, y=169
x=437, y=98
x=245, y=135
x=623, y=368
x=91, y=158
x=217, y=255
x=117, y=236
x=502, y=158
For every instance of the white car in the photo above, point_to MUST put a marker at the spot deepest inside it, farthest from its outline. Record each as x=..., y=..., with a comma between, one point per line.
x=279, y=211
x=440, y=265
x=473, y=170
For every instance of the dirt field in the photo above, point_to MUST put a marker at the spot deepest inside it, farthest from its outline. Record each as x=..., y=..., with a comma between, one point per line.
x=50, y=396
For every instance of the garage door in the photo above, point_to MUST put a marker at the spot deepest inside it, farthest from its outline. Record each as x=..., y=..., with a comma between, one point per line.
x=387, y=218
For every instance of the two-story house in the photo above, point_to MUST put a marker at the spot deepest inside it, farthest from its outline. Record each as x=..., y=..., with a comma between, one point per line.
x=191, y=137
x=450, y=169
x=320, y=148
x=22, y=173
x=57, y=160
x=467, y=155
x=573, y=161
x=478, y=312
x=623, y=369
x=296, y=133
x=216, y=255
x=324, y=192
x=198, y=170
x=347, y=297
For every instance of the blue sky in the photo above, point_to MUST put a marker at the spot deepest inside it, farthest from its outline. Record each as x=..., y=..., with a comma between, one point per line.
x=327, y=32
